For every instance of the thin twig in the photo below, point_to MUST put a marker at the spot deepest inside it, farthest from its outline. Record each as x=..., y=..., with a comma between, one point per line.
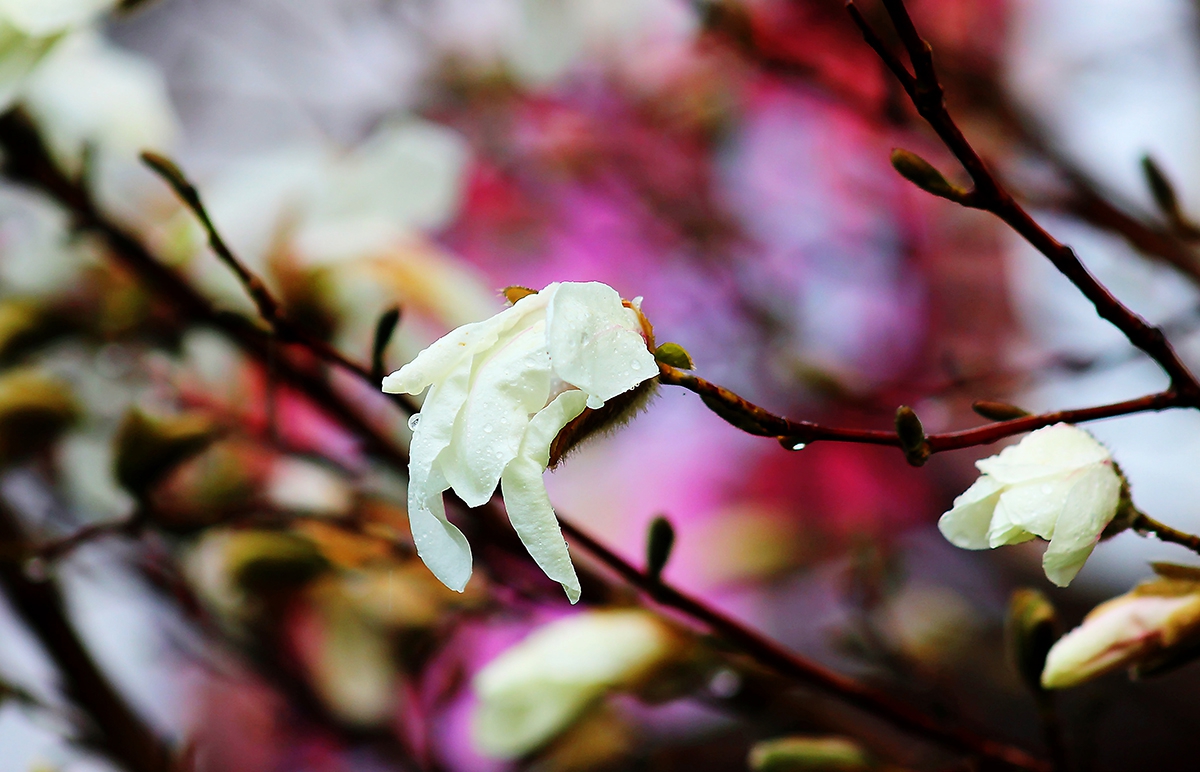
x=269, y=308
x=1144, y=524
x=768, y=652
x=793, y=434
x=988, y=194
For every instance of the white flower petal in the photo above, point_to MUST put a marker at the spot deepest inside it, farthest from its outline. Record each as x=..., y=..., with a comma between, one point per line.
x=441, y=545
x=966, y=524
x=596, y=343
x=1034, y=507
x=45, y=17
x=1113, y=634
x=535, y=689
x=1046, y=452
x=19, y=54
x=525, y=496
x=1090, y=506
x=510, y=381
x=445, y=354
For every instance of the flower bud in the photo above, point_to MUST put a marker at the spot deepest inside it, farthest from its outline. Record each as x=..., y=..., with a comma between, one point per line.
x=537, y=689
x=921, y=173
x=1157, y=618
x=997, y=411
x=148, y=447
x=674, y=355
x=912, y=436
x=1030, y=631
x=34, y=410
x=659, y=541
x=809, y=754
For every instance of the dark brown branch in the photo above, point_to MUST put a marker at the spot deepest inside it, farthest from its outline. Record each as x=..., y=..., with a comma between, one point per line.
x=1145, y=524
x=27, y=161
x=794, y=434
x=269, y=308
x=926, y=94
x=116, y=730
x=767, y=652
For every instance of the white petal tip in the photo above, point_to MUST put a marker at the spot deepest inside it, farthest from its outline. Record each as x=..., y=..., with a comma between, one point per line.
x=573, y=594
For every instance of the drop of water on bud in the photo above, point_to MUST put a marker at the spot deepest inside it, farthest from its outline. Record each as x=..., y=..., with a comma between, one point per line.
x=799, y=446
x=414, y=420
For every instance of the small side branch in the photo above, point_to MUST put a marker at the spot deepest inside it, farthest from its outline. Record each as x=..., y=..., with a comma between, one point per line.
x=269, y=308
x=1146, y=525
x=769, y=653
x=794, y=435
x=988, y=194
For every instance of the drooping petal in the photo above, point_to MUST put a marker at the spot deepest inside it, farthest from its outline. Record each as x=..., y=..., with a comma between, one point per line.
x=46, y=17
x=1047, y=452
x=460, y=345
x=525, y=493
x=1033, y=507
x=966, y=524
x=509, y=382
x=1090, y=506
x=596, y=343
x=439, y=543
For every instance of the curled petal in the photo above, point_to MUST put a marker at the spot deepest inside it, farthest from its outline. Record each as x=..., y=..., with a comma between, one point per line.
x=596, y=343
x=439, y=543
x=1090, y=505
x=457, y=347
x=966, y=524
x=509, y=382
x=1030, y=509
x=525, y=493
x=1047, y=452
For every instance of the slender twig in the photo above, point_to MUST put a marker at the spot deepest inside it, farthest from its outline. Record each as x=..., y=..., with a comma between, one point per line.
x=794, y=434
x=988, y=194
x=115, y=728
x=768, y=652
x=1144, y=524
x=27, y=161
x=269, y=308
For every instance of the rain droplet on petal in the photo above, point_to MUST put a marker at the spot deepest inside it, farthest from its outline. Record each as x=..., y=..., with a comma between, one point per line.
x=413, y=421
x=487, y=428
x=799, y=445
x=636, y=365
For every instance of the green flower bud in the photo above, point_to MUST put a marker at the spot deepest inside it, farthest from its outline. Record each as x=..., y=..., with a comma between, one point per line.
x=809, y=754
x=1031, y=628
x=148, y=448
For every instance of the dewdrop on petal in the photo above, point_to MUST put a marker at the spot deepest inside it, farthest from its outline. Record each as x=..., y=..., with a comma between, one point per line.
x=507, y=397
x=1058, y=484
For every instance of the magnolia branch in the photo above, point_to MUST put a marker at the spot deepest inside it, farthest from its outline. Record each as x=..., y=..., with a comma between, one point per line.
x=26, y=161
x=753, y=419
x=988, y=194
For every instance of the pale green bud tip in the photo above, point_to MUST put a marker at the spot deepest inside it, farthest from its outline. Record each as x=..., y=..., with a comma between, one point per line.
x=1030, y=631
x=261, y=561
x=147, y=448
x=921, y=173
x=809, y=754
x=674, y=355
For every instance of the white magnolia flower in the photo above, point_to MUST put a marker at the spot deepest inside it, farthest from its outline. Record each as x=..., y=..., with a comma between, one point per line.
x=501, y=391
x=1125, y=631
x=30, y=28
x=1058, y=484
x=536, y=689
